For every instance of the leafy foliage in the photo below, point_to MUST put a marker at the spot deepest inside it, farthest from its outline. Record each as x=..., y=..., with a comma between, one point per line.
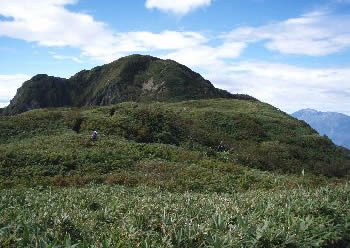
x=115, y=216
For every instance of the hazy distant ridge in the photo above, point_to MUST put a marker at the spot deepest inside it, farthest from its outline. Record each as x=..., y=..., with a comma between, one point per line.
x=335, y=125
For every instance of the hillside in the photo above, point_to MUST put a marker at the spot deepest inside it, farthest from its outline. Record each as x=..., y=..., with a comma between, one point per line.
x=132, y=78
x=182, y=174
x=335, y=125
x=169, y=141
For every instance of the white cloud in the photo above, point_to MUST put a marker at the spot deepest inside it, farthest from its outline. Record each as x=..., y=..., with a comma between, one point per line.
x=66, y=57
x=287, y=87
x=178, y=7
x=9, y=85
x=204, y=56
x=49, y=23
x=166, y=40
x=313, y=34
x=63, y=57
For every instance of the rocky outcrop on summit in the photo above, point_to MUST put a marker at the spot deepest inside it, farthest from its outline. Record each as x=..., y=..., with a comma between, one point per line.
x=41, y=91
x=131, y=78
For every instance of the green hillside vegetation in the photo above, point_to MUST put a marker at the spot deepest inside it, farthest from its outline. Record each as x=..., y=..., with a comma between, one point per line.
x=173, y=142
x=177, y=163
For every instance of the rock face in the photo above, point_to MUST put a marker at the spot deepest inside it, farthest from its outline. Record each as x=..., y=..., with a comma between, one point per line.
x=131, y=78
x=335, y=125
x=40, y=92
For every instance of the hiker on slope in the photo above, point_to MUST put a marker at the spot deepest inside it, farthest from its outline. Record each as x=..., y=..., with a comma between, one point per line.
x=94, y=135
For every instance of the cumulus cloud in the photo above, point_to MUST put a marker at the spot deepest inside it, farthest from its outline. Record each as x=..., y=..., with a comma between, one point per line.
x=313, y=34
x=49, y=23
x=9, y=85
x=178, y=7
x=65, y=57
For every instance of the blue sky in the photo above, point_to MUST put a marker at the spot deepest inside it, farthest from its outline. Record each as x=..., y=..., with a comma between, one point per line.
x=293, y=54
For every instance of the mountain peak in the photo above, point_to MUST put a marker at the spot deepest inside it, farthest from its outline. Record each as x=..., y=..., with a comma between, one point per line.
x=310, y=110
x=307, y=110
x=131, y=78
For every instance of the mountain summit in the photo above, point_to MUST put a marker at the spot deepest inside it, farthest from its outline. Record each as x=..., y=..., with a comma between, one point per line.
x=131, y=78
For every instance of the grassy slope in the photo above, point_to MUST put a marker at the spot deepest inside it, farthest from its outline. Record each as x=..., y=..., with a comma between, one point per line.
x=163, y=150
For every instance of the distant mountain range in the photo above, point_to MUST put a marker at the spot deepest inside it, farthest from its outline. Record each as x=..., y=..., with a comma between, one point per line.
x=335, y=125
